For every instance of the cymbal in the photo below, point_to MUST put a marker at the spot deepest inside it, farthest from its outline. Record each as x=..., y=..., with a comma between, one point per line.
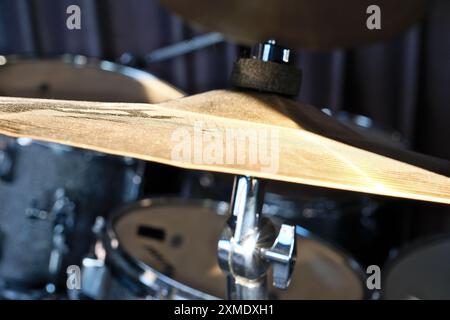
x=303, y=144
x=315, y=24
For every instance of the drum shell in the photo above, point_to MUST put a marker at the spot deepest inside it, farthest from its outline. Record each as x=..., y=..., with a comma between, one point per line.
x=95, y=183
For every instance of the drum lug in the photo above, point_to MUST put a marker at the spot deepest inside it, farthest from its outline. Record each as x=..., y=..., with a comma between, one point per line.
x=98, y=227
x=62, y=214
x=94, y=277
x=61, y=211
x=6, y=164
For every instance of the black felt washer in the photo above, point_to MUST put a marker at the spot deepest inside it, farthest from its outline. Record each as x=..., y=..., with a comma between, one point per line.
x=266, y=76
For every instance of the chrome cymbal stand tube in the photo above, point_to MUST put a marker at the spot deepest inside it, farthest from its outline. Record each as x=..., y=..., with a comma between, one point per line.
x=249, y=245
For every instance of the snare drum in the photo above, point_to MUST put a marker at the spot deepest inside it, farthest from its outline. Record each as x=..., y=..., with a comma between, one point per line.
x=167, y=249
x=50, y=194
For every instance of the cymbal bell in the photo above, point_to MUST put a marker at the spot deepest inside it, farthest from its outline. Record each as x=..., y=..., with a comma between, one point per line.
x=306, y=146
x=314, y=24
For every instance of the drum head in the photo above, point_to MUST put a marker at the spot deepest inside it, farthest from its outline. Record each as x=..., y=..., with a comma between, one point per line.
x=179, y=239
x=420, y=272
x=80, y=78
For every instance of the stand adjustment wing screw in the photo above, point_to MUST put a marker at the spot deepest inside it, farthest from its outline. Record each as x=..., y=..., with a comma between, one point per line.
x=282, y=256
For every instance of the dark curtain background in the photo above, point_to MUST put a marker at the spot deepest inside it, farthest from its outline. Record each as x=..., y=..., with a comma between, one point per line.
x=403, y=83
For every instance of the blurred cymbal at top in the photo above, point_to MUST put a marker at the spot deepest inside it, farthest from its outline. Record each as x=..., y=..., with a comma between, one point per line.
x=314, y=24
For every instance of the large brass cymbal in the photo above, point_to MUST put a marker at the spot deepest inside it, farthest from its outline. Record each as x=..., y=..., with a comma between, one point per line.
x=310, y=147
x=315, y=24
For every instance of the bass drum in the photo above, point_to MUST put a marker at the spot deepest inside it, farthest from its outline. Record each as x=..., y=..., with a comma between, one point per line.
x=50, y=194
x=167, y=249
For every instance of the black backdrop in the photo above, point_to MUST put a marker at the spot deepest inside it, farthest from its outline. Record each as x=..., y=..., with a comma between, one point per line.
x=403, y=83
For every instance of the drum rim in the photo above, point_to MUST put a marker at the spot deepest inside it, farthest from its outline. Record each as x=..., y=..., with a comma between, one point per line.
x=136, y=267
x=350, y=120
x=83, y=61
x=351, y=262
x=79, y=61
x=408, y=249
x=109, y=236
x=354, y=203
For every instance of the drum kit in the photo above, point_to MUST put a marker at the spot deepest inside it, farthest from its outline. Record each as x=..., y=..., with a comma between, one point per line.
x=78, y=134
